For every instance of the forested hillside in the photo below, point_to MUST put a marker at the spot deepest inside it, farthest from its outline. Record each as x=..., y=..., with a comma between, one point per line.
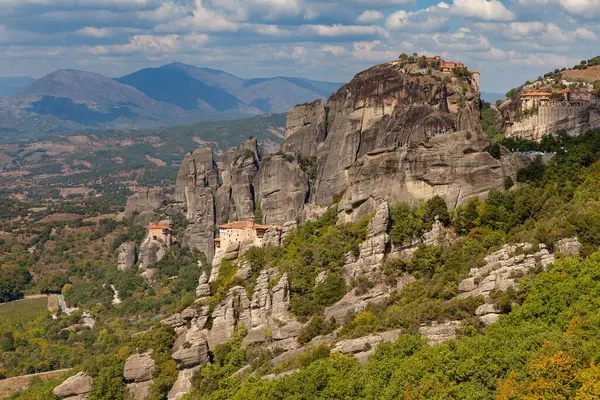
x=544, y=347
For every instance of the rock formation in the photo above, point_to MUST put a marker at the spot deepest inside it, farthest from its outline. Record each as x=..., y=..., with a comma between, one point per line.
x=549, y=120
x=362, y=348
x=76, y=387
x=501, y=271
x=126, y=256
x=138, y=372
x=196, y=188
x=283, y=189
x=390, y=135
x=152, y=251
x=145, y=203
x=373, y=250
x=568, y=247
x=305, y=129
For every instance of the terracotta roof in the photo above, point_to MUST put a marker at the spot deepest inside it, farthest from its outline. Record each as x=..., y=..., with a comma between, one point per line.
x=565, y=91
x=160, y=227
x=536, y=94
x=244, y=225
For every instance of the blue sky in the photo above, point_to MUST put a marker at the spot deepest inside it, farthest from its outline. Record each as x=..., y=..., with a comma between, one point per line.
x=508, y=41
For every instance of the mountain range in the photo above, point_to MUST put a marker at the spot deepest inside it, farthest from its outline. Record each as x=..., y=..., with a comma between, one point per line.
x=174, y=94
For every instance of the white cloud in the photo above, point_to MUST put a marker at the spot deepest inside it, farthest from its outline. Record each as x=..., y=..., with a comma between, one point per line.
x=202, y=19
x=342, y=30
x=95, y=32
x=369, y=17
x=335, y=50
x=168, y=10
x=375, y=51
x=484, y=10
x=586, y=9
x=431, y=19
x=536, y=34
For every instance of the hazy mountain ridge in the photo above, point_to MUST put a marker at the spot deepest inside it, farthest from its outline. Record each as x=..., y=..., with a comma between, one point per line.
x=174, y=94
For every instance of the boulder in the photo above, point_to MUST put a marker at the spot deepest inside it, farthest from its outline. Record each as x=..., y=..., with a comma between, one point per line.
x=152, y=251
x=191, y=349
x=568, y=246
x=139, y=367
x=77, y=385
x=126, y=256
x=437, y=333
x=203, y=289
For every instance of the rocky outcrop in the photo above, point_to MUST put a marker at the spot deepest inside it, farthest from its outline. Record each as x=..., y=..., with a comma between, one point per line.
x=238, y=169
x=437, y=333
x=234, y=310
x=439, y=235
x=384, y=107
x=126, y=256
x=138, y=372
x=191, y=348
x=568, y=246
x=502, y=270
x=196, y=185
x=362, y=348
x=549, y=120
x=203, y=289
x=305, y=129
x=139, y=367
x=183, y=384
x=76, y=387
x=454, y=166
x=373, y=250
x=152, y=250
x=269, y=313
x=145, y=202
x=283, y=189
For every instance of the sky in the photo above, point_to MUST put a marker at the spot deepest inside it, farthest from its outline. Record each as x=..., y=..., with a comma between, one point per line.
x=508, y=41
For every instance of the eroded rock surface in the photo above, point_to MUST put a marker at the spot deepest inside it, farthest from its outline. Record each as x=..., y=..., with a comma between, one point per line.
x=126, y=256
x=144, y=201
x=568, y=247
x=502, y=270
x=305, y=129
x=437, y=333
x=373, y=250
x=78, y=386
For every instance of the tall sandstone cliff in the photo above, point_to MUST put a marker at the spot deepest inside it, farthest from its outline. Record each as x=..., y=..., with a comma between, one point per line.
x=387, y=136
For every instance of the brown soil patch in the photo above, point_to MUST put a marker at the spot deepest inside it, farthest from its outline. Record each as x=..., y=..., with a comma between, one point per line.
x=158, y=162
x=585, y=75
x=60, y=217
x=11, y=385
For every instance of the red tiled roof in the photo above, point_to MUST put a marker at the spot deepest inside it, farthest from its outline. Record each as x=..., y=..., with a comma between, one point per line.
x=244, y=225
x=565, y=91
x=160, y=227
x=536, y=94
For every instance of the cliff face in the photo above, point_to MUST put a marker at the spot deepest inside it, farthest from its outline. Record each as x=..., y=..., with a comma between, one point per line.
x=574, y=120
x=390, y=135
x=384, y=107
x=234, y=188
